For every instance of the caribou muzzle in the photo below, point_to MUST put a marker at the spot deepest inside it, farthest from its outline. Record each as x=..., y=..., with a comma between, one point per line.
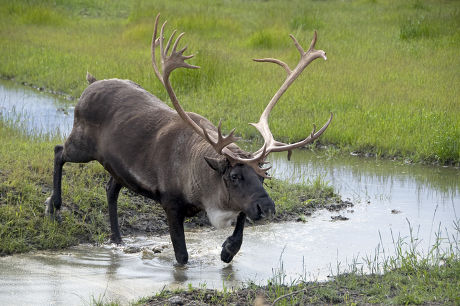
x=263, y=207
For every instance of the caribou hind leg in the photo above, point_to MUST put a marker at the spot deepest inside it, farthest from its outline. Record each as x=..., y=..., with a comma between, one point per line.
x=113, y=190
x=53, y=203
x=176, y=229
x=233, y=243
x=62, y=154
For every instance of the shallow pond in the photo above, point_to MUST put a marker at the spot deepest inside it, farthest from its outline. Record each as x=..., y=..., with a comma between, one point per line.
x=390, y=199
x=35, y=111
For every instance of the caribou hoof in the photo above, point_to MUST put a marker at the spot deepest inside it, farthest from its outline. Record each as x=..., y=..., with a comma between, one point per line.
x=230, y=247
x=182, y=259
x=51, y=212
x=116, y=240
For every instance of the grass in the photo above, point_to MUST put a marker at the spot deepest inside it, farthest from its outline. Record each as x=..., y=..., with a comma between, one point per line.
x=391, y=78
x=409, y=276
x=25, y=171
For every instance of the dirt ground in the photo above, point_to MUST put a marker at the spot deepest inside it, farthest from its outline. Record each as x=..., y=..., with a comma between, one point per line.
x=153, y=219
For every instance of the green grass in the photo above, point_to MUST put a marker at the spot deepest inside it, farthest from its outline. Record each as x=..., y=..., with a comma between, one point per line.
x=392, y=75
x=26, y=176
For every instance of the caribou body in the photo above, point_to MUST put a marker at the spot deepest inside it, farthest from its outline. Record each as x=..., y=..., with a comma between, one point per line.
x=177, y=158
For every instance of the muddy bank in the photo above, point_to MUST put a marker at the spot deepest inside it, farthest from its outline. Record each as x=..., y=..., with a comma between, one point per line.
x=253, y=295
x=146, y=216
x=49, y=90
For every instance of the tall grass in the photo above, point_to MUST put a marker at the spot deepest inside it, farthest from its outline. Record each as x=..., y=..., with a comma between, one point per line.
x=391, y=78
x=25, y=183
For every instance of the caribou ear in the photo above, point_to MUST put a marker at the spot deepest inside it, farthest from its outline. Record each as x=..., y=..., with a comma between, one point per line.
x=217, y=164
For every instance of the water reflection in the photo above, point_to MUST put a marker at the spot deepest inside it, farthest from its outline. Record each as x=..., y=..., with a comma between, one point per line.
x=366, y=177
x=180, y=274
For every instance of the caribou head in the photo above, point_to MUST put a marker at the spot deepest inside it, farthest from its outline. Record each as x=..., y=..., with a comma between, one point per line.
x=233, y=163
x=238, y=169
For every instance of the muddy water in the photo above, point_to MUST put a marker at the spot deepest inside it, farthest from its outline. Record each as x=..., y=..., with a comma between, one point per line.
x=388, y=196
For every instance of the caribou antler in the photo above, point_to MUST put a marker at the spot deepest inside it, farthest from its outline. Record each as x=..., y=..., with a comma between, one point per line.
x=171, y=62
x=177, y=60
x=270, y=144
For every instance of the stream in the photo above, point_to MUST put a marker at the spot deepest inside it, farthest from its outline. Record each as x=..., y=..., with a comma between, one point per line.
x=392, y=200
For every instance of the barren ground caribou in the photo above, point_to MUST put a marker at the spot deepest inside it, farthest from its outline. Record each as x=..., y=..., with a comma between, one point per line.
x=177, y=158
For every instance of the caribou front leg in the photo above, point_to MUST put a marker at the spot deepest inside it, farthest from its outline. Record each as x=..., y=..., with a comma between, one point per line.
x=233, y=243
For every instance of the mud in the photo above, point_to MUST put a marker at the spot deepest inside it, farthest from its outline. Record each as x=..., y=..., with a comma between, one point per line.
x=141, y=221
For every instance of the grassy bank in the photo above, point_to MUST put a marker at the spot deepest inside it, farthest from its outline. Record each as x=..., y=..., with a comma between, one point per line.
x=26, y=181
x=410, y=275
x=418, y=284
x=391, y=78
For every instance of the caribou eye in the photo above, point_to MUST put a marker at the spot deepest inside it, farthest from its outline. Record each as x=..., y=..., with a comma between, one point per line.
x=236, y=177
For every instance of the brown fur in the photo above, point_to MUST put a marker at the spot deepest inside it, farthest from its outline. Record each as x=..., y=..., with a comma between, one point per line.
x=148, y=148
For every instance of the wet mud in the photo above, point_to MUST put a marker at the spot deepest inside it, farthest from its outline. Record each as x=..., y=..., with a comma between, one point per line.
x=152, y=221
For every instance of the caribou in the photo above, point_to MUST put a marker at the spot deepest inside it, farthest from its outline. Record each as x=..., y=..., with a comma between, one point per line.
x=177, y=158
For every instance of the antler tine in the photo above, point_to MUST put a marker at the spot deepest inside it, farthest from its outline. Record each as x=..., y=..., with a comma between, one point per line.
x=263, y=172
x=276, y=61
x=281, y=147
x=177, y=60
x=225, y=140
x=313, y=42
x=254, y=162
x=297, y=45
x=162, y=38
x=177, y=42
x=155, y=42
x=222, y=141
x=169, y=41
x=262, y=126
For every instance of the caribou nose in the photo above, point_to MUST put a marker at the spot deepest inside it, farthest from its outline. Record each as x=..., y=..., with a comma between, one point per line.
x=260, y=212
x=271, y=209
x=266, y=209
